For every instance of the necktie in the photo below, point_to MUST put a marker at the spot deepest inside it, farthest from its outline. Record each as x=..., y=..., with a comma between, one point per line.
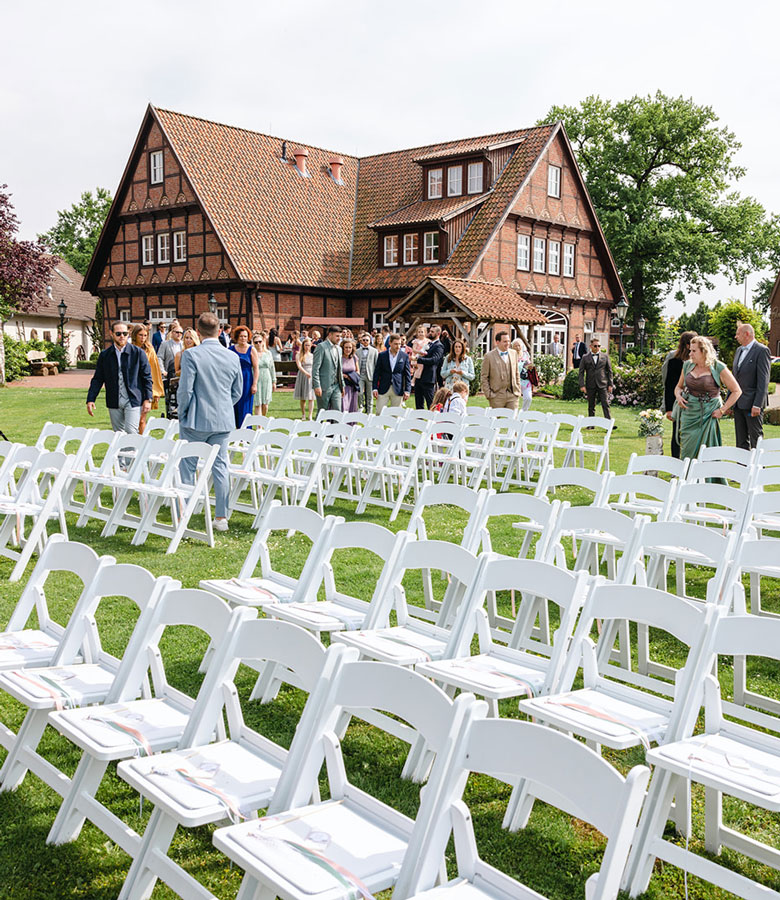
x=738, y=357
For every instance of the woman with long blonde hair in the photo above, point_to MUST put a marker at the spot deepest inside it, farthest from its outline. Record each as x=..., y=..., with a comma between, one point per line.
x=139, y=335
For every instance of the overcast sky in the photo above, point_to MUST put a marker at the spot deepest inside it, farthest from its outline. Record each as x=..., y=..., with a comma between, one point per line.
x=362, y=77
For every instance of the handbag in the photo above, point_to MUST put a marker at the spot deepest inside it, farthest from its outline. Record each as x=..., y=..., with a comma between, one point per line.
x=354, y=379
x=533, y=376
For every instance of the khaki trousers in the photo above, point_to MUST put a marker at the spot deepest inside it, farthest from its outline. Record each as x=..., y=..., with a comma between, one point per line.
x=390, y=398
x=503, y=400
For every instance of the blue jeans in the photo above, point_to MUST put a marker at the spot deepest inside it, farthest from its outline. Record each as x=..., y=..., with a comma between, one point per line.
x=219, y=472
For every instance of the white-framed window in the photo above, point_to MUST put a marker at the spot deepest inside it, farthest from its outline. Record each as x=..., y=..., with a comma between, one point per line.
x=162, y=314
x=454, y=181
x=568, y=260
x=180, y=246
x=156, y=174
x=475, y=177
x=222, y=315
x=411, y=249
x=147, y=250
x=163, y=248
x=523, y=252
x=431, y=246
x=378, y=320
x=539, y=255
x=554, y=257
x=434, y=183
x=124, y=316
x=391, y=249
x=553, y=181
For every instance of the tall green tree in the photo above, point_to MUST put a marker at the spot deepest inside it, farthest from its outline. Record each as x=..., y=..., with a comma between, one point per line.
x=75, y=235
x=725, y=319
x=762, y=294
x=660, y=171
x=698, y=320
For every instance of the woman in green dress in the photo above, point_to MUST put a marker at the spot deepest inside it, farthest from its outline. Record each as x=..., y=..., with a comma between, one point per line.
x=698, y=397
x=266, y=376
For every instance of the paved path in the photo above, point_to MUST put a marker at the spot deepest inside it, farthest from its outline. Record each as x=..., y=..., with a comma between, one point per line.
x=73, y=378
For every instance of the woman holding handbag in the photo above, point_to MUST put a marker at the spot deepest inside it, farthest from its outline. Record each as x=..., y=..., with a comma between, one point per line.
x=351, y=373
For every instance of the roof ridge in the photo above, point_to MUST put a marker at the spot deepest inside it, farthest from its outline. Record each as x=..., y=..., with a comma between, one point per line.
x=274, y=137
x=478, y=137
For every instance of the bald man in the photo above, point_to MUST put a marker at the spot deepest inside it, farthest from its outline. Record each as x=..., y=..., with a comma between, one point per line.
x=751, y=369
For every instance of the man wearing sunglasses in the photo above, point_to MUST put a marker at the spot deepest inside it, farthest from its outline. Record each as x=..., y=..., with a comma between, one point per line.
x=124, y=370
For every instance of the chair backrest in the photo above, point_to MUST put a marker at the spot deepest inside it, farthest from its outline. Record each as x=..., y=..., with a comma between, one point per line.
x=531, y=415
x=599, y=525
x=280, y=424
x=157, y=428
x=725, y=454
x=395, y=411
x=329, y=415
x=644, y=494
x=51, y=435
x=717, y=504
x=571, y=477
x=533, y=515
x=431, y=495
x=567, y=774
x=701, y=469
x=87, y=458
x=355, y=418
x=641, y=464
x=251, y=421
x=768, y=444
x=501, y=413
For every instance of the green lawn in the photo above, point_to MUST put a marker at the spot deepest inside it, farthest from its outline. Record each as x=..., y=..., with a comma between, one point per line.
x=554, y=854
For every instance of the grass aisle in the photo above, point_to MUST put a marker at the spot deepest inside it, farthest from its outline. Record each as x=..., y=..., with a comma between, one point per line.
x=555, y=854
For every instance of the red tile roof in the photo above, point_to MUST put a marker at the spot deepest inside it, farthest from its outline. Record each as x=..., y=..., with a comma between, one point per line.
x=429, y=211
x=65, y=285
x=491, y=301
x=461, y=148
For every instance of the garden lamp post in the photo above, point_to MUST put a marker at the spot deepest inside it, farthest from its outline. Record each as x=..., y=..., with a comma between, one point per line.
x=212, y=303
x=621, y=308
x=641, y=324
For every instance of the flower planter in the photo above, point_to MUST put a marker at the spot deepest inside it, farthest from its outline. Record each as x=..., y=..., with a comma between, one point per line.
x=654, y=445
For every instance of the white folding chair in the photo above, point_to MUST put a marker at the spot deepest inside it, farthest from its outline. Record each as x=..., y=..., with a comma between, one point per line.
x=157, y=429
x=641, y=495
x=124, y=461
x=596, y=441
x=262, y=467
x=281, y=424
x=725, y=454
x=258, y=422
x=355, y=418
x=531, y=663
x=568, y=435
x=89, y=460
x=208, y=782
x=711, y=505
x=127, y=727
x=579, y=480
x=37, y=497
x=330, y=415
x=350, y=470
x=738, y=756
x=768, y=444
x=468, y=461
x=532, y=454
x=51, y=434
x=394, y=473
x=531, y=415
x=351, y=843
x=491, y=413
x=721, y=471
x=69, y=681
x=569, y=776
x=302, y=473
x=23, y=644
x=397, y=412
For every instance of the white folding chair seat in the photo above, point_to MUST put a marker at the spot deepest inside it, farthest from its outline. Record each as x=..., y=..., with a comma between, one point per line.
x=127, y=727
x=712, y=505
x=272, y=585
x=597, y=483
x=37, y=498
x=286, y=852
x=656, y=465
x=595, y=432
x=415, y=639
x=211, y=782
x=531, y=663
x=340, y=611
x=569, y=776
x=738, y=756
x=641, y=495
x=394, y=473
x=69, y=682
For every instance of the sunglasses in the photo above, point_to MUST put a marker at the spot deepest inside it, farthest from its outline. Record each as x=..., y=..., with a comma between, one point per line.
x=120, y=333
x=177, y=332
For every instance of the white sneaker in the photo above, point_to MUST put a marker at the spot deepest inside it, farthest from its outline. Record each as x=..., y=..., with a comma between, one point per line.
x=220, y=524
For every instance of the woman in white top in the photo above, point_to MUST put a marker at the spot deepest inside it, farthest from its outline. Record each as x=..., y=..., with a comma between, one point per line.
x=458, y=365
x=523, y=361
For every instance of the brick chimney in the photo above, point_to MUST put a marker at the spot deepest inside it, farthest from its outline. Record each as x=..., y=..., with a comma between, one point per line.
x=301, y=154
x=336, y=165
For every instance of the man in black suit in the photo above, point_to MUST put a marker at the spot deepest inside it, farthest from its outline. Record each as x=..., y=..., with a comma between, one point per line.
x=446, y=343
x=751, y=369
x=596, y=378
x=578, y=350
x=124, y=369
x=392, y=375
x=431, y=360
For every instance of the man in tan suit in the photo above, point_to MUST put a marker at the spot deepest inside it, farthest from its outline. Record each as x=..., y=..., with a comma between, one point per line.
x=500, y=375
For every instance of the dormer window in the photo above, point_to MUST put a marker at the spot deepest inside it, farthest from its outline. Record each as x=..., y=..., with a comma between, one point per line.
x=411, y=249
x=431, y=247
x=156, y=174
x=391, y=250
x=454, y=181
x=476, y=170
x=434, y=183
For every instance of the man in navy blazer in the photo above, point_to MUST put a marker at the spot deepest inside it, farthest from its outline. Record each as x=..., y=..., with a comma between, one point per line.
x=209, y=386
x=425, y=385
x=124, y=370
x=392, y=375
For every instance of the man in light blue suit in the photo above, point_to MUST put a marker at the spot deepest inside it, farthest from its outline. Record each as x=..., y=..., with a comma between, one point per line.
x=209, y=386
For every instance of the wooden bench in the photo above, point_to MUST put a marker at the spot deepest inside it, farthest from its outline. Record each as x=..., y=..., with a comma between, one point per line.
x=40, y=365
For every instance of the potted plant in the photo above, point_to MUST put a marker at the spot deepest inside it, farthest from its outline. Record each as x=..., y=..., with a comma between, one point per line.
x=651, y=428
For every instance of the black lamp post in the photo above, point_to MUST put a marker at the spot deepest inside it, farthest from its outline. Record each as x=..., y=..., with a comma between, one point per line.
x=212, y=304
x=641, y=324
x=621, y=308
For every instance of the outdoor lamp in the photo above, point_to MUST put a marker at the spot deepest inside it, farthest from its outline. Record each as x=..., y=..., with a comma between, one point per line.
x=212, y=303
x=621, y=309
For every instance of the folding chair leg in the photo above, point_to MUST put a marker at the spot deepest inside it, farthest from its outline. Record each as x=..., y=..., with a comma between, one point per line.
x=519, y=808
x=651, y=826
x=37, y=532
x=265, y=684
x=252, y=889
x=157, y=838
x=147, y=521
x=713, y=818
x=27, y=739
x=70, y=820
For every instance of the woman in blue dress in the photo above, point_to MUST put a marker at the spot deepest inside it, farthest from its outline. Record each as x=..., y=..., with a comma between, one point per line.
x=248, y=356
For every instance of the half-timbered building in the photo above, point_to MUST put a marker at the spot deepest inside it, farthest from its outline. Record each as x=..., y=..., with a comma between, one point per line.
x=279, y=232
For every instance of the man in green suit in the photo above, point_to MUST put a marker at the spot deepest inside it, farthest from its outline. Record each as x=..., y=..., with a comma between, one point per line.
x=326, y=376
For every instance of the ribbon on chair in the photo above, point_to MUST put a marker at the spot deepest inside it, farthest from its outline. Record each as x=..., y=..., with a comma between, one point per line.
x=142, y=745
x=604, y=716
